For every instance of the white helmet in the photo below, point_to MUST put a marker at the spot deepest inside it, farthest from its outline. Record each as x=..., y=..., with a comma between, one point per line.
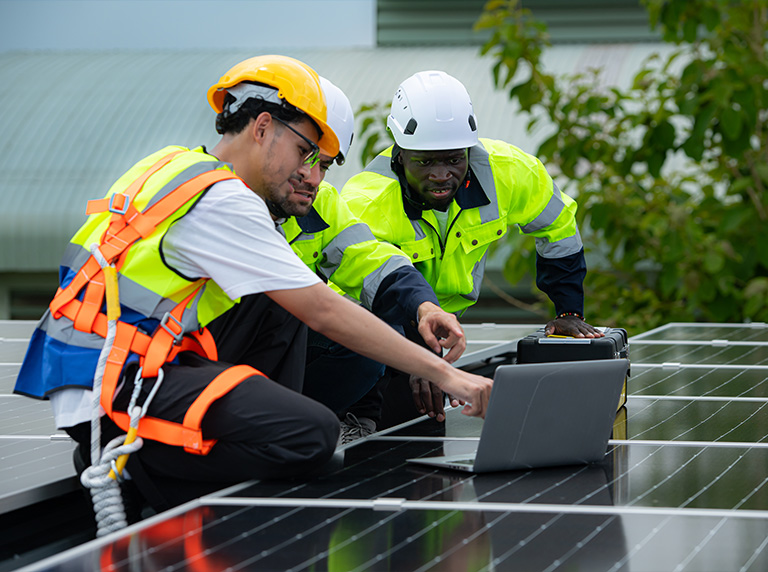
x=432, y=111
x=341, y=118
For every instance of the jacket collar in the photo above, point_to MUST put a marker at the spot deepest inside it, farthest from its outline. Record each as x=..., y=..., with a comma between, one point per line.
x=312, y=222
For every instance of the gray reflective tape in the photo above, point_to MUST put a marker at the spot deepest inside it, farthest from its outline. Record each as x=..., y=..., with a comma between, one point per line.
x=550, y=213
x=141, y=299
x=418, y=231
x=303, y=236
x=477, y=279
x=75, y=256
x=189, y=319
x=334, y=252
x=186, y=175
x=481, y=168
x=63, y=330
x=381, y=166
x=372, y=282
x=133, y=295
x=560, y=248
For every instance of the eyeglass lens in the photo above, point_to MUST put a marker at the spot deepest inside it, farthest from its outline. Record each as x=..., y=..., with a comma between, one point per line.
x=313, y=156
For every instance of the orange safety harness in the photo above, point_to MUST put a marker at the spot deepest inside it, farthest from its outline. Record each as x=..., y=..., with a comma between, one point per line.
x=127, y=226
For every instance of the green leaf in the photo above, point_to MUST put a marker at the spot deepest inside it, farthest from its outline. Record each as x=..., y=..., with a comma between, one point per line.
x=710, y=17
x=762, y=170
x=730, y=123
x=668, y=280
x=640, y=81
x=655, y=163
x=663, y=136
x=694, y=146
x=733, y=219
x=740, y=184
x=713, y=262
x=762, y=252
x=690, y=29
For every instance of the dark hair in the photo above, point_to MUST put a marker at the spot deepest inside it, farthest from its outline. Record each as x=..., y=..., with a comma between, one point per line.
x=234, y=123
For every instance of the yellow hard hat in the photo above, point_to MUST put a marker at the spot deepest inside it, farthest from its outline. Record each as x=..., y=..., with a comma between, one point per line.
x=297, y=83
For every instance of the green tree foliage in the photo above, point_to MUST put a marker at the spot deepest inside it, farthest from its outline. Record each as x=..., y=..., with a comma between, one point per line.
x=670, y=174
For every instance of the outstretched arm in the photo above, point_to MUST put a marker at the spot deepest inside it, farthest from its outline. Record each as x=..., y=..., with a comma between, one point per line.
x=354, y=327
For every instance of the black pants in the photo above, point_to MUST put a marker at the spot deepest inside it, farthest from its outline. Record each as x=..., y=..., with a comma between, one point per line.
x=265, y=428
x=389, y=401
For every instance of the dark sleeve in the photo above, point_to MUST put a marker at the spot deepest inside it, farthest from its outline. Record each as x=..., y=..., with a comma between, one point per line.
x=562, y=279
x=400, y=294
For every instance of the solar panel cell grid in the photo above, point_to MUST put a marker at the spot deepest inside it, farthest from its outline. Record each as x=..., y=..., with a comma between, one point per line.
x=683, y=487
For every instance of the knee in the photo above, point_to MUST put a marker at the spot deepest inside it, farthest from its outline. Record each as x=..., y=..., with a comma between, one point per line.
x=325, y=432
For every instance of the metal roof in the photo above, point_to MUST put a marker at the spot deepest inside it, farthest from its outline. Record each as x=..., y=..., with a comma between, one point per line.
x=72, y=123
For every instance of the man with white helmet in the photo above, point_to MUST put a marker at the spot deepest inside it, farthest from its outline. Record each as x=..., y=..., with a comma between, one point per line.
x=442, y=196
x=184, y=311
x=340, y=248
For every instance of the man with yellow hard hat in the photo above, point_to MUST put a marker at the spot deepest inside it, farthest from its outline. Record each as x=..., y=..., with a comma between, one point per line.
x=184, y=311
x=340, y=248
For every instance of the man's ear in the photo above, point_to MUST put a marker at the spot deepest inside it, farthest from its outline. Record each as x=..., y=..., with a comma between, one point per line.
x=260, y=126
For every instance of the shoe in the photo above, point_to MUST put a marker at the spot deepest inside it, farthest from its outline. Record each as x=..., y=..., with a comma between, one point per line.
x=353, y=428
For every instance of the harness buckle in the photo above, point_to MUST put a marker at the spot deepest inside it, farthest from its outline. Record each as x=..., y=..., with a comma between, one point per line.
x=119, y=208
x=177, y=336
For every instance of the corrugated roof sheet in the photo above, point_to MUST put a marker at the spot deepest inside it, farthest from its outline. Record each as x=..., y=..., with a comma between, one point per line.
x=72, y=123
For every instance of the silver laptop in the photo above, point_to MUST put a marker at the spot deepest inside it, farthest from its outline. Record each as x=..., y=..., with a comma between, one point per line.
x=544, y=415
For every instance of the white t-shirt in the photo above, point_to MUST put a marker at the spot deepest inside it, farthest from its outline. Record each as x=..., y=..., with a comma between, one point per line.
x=230, y=237
x=442, y=221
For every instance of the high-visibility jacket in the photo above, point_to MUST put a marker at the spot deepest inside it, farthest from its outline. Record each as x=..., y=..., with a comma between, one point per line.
x=505, y=186
x=342, y=250
x=161, y=312
x=338, y=247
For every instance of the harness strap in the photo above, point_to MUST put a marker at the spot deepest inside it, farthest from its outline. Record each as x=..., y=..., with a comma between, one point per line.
x=168, y=333
x=117, y=239
x=120, y=201
x=117, y=242
x=207, y=343
x=91, y=304
x=189, y=434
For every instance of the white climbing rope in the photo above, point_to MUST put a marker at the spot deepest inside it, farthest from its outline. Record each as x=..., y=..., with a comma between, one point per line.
x=102, y=477
x=99, y=374
x=105, y=491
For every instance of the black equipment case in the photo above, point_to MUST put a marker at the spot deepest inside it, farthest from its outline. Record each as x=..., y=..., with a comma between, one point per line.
x=538, y=348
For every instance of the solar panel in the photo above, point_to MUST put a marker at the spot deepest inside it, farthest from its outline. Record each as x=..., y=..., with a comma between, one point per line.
x=683, y=486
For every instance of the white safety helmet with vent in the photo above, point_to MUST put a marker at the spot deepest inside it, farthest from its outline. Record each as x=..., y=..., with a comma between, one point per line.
x=432, y=111
x=341, y=118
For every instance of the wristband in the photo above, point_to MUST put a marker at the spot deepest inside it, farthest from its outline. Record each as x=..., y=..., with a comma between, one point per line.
x=567, y=314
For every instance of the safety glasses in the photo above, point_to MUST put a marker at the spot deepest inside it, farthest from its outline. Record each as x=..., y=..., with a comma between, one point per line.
x=313, y=156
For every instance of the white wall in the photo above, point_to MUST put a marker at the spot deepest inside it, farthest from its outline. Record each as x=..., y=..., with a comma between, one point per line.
x=185, y=24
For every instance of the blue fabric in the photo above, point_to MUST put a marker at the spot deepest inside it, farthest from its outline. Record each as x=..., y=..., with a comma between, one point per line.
x=562, y=279
x=400, y=294
x=335, y=376
x=50, y=365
